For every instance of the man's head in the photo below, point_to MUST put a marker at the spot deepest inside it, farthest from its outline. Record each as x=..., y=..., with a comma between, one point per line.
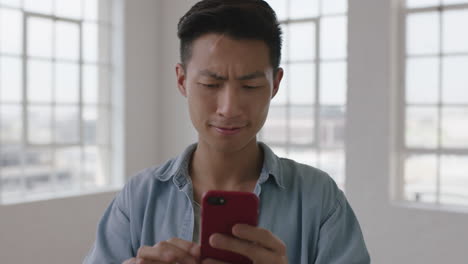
x=230, y=53
x=238, y=19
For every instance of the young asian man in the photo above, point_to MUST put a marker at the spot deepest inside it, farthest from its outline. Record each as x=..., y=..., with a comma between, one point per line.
x=229, y=72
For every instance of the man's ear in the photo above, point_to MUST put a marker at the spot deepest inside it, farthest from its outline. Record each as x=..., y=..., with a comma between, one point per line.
x=276, y=81
x=181, y=78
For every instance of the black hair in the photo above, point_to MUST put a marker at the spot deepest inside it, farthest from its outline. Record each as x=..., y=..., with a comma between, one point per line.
x=238, y=19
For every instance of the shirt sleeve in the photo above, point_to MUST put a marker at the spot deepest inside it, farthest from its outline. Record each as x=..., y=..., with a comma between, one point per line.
x=340, y=238
x=113, y=240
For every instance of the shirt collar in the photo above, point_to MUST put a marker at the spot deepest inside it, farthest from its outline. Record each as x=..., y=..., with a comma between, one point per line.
x=179, y=167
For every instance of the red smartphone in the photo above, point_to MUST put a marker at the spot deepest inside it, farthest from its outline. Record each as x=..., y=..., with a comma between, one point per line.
x=221, y=210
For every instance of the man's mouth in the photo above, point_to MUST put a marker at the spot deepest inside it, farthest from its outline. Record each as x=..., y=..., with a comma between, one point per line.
x=228, y=130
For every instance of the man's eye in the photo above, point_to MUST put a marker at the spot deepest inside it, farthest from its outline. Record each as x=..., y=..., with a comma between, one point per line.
x=210, y=85
x=250, y=86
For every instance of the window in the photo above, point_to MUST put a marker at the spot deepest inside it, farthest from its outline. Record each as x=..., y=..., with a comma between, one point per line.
x=434, y=134
x=307, y=117
x=55, y=90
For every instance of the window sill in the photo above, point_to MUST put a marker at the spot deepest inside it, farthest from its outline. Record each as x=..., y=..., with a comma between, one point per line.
x=32, y=198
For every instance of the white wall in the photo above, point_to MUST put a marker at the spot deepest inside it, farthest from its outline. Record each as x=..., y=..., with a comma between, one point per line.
x=62, y=230
x=176, y=128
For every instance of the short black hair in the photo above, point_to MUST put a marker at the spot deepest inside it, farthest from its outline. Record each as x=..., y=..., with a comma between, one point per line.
x=238, y=19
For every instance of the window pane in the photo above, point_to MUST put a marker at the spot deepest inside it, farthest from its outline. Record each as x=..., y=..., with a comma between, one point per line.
x=420, y=178
x=39, y=6
x=10, y=170
x=302, y=83
x=333, y=83
x=455, y=37
x=334, y=6
x=422, y=80
x=95, y=167
x=11, y=31
x=39, y=81
x=455, y=80
x=11, y=126
x=333, y=37
x=332, y=127
x=421, y=127
x=421, y=3
x=38, y=171
x=12, y=3
x=280, y=8
x=333, y=162
x=68, y=8
x=67, y=124
x=67, y=41
x=454, y=180
x=90, y=117
x=303, y=8
x=11, y=89
x=274, y=130
x=39, y=124
x=96, y=122
x=90, y=84
x=302, y=124
x=455, y=127
x=304, y=155
x=90, y=42
x=422, y=35
x=302, y=41
x=285, y=43
x=40, y=37
x=66, y=82
x=446, y=2
x=68, y=167
x=90, y=8
x=281, y=96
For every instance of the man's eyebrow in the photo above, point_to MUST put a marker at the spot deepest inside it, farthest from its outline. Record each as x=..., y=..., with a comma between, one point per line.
x=249, y=76
x=213, y=75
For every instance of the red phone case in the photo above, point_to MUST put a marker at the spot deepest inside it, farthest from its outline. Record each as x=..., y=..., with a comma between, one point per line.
x=238, y=208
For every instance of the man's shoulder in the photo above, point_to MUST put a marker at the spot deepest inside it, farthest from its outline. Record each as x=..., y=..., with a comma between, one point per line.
x=311, y=182
x=161, y=172
x=296, y=171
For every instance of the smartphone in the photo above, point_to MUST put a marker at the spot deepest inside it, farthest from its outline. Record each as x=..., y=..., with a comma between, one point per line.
x=220, y=211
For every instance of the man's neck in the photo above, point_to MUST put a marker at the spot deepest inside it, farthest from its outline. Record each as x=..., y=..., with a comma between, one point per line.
x=239, y=170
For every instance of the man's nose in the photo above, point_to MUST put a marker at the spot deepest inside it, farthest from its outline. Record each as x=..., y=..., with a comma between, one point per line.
x=229, y=102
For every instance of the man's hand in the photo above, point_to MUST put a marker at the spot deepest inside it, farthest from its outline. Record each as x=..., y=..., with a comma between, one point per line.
x=174, y=250
x=257, y=244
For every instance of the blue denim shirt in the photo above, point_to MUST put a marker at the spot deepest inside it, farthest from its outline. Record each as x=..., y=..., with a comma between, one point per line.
x=298, y=203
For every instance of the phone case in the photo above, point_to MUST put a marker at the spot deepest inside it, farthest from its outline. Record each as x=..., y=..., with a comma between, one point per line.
x=238, y=208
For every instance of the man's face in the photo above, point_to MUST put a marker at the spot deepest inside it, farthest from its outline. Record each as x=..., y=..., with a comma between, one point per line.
x=228, y=84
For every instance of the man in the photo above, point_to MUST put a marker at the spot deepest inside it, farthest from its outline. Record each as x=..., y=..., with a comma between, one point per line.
x=229, y=72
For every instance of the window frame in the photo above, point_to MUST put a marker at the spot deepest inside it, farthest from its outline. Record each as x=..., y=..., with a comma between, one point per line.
x=107, y=149
x=318, y=106
x=405, y=151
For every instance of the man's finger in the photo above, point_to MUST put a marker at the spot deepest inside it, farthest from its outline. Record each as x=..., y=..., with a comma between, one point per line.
x=243, y=247
x=260, y=236
x=130, y=261
x=165, y=252
x=192, y=248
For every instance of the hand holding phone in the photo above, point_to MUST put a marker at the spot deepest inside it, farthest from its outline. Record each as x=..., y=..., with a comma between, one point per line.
x=221, y=210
